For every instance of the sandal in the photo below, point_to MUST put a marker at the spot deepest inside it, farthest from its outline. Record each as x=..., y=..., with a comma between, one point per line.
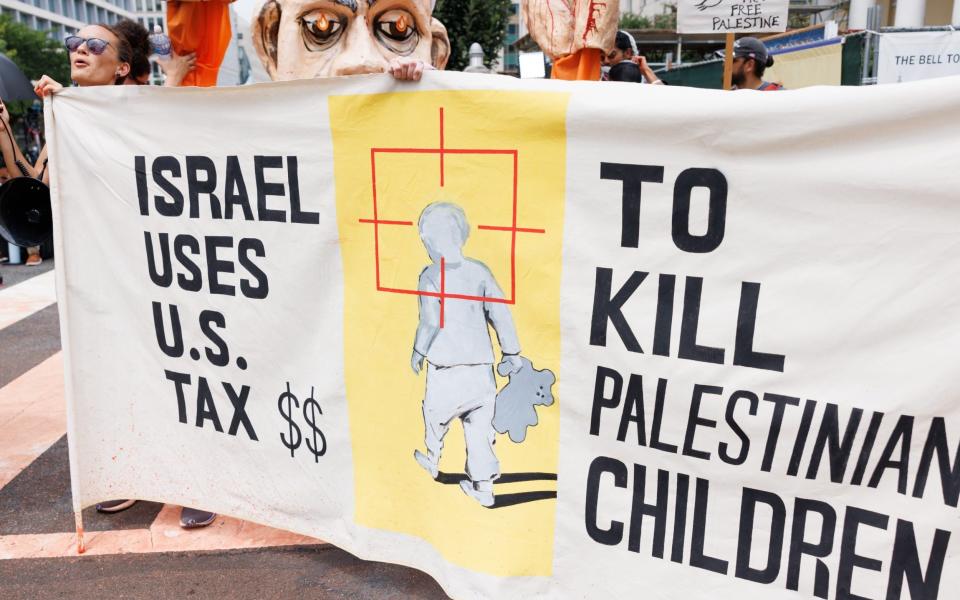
x=191, y=518
x=114, y=506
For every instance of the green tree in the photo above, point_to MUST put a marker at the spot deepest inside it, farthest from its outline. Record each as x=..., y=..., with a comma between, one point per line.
x=798, y=20
x=469, y=21
x=632, y=21
x=33, y=51
x=666, y=20
x=36, y=55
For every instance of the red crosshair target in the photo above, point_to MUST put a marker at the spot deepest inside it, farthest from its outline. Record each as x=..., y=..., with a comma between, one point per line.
x=442, y=150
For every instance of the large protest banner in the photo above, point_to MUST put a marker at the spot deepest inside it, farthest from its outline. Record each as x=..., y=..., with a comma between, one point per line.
x=734, y=317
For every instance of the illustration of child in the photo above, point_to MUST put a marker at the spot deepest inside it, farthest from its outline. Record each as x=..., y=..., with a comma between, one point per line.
x=459, y=354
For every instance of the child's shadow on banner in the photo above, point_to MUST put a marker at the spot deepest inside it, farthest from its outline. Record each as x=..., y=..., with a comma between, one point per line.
x=504, y=500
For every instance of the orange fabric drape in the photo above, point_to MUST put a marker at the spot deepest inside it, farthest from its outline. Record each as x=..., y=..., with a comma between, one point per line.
x=204, y=28
x=583, y=65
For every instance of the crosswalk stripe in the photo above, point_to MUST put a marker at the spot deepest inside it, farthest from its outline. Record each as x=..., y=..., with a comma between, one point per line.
x=32, y=416
x=23, y=299
x=164, y=535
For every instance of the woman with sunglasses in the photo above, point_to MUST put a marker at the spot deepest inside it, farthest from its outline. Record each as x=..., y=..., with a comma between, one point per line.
x=99, y=55
x=104, y=55
x=107, y=55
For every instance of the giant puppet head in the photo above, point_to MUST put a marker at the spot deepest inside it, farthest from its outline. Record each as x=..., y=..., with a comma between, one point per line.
x=299, y=39
x=564, y=27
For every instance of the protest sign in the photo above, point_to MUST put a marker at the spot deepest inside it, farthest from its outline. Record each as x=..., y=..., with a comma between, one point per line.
x=732, y=16
x=912, y=56
x=730, y=331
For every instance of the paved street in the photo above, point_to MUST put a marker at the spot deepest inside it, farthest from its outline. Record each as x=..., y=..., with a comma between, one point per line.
x=141, y=552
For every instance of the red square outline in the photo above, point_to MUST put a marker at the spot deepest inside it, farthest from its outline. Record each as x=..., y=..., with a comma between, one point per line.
x=442, y=150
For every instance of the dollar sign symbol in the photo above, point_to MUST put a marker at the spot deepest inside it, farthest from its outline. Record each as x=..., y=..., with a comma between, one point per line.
x=310, y=408
x=286, y=399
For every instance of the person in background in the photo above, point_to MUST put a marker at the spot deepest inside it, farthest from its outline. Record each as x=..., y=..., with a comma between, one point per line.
x=4, y=176
x=627, y=71
x=636, y=71
x=14, y=161
x=11, y=154
x=750, y=60
x=33, y=257
x=175, y=67
x=623, y=50
x=624, y=62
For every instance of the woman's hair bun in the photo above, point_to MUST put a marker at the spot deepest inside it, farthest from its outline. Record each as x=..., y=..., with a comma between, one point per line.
x=139, y=39
x=135, y=33
x=769, y=61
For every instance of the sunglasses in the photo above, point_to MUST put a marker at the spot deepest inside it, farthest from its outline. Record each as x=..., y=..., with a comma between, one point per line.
x=96, y=46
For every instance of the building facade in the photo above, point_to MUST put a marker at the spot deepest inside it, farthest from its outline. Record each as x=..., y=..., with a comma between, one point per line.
x=509, y=60
x=60, y=18
x=63, y=17
x=240, y=64
x=150, y=13
x=906, y=13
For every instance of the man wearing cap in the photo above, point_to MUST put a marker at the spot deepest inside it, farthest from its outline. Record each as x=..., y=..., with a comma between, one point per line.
x=624, y=49
x=750, y=60
x=624, y=63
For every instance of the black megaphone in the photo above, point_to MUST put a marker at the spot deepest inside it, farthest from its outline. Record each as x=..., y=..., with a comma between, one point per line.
x=26, y=218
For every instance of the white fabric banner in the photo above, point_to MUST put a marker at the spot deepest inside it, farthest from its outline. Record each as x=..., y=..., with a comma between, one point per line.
x=918, y=55
x=732, y=16
x=714, y=340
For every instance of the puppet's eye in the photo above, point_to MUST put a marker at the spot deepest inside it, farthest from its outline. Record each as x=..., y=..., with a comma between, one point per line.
x=320, y=29
x=397, y=30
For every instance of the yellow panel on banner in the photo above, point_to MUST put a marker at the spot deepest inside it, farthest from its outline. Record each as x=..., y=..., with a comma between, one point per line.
x=394, y=155
x=804, y=68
